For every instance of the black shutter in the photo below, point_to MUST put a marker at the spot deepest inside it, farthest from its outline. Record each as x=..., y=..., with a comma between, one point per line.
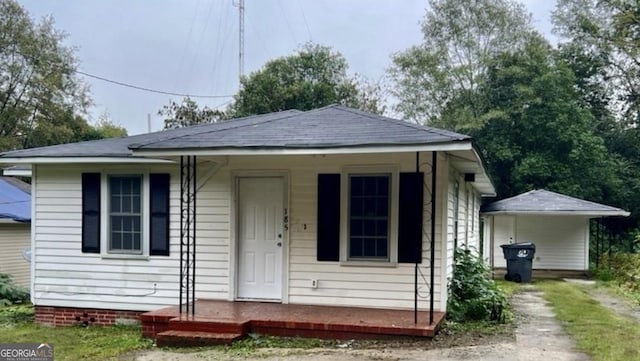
x=328, y=217
x=159, y=207
x=410, y=218
x=91, y=212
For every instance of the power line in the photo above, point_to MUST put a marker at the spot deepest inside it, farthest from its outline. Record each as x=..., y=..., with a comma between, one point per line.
x=305, y=21
x=149, y=89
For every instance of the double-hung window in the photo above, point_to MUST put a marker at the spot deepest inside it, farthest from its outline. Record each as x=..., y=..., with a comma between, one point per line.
x=369, y=216
x=125, y=214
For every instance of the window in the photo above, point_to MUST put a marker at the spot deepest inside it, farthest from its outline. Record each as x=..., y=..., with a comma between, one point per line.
x=369, y=216
x=125, y=214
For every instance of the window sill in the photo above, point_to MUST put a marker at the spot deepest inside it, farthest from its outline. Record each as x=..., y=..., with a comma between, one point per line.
x=140, y=257
x=380, y=264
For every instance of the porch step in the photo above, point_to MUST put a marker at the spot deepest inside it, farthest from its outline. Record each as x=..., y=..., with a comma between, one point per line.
x=209, y=325
x=179, y=338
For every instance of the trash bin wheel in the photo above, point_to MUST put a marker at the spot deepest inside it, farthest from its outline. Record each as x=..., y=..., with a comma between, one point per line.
x=507, y=277
x=517, y=278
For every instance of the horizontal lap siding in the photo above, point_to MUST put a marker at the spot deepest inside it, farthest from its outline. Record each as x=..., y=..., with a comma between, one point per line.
x=64, y=276
x=560, y=241
x=391, y=287
x=14, y=238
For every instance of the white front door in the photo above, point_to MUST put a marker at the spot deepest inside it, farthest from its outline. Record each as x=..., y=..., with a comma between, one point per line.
x=260, y=237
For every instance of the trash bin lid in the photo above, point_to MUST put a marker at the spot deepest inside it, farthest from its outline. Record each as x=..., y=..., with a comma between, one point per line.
x=519, y=245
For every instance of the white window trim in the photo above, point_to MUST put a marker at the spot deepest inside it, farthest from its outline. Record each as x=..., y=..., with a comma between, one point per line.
x=344, y=215
x=104, y=216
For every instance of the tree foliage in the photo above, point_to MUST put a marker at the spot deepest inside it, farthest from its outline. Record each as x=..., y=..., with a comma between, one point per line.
x=41, y=98
x=315, y=76
x=460, y=38
x=609, y=32
x=178, y=115
x=536, y=134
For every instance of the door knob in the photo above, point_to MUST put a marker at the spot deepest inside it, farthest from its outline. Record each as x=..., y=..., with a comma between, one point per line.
x=279, y=244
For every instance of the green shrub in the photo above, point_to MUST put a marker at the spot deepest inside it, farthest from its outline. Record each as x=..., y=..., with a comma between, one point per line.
x=473, y=295
x=10, y=293
x=623, y=269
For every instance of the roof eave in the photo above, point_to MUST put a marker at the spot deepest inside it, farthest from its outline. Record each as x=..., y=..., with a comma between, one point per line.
x=80, y=160
x=590, y=214
x=464, y=144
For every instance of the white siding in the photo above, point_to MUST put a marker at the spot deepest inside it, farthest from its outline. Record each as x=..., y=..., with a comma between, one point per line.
x=504, y=232
x=384, y=287
x=64, y=276
x=561, y=241
x=14, y=238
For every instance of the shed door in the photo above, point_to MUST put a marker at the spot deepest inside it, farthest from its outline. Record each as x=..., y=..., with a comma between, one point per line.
x=260, y=237
x=504, y=232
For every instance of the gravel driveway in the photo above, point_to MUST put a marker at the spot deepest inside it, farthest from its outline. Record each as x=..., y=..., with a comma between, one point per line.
x=538, y=336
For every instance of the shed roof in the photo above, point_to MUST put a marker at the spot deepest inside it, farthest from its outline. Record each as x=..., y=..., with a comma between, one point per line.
x=15, y=200
x=541, y=201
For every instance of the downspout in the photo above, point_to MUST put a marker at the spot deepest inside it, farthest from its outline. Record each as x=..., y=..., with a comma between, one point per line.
x=434, y=163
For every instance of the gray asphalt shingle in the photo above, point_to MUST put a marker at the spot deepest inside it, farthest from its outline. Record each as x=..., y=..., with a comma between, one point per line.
x=544, y=201
x=327, y=127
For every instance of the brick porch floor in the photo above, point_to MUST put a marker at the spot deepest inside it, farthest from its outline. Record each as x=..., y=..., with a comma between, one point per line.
x=224, y=322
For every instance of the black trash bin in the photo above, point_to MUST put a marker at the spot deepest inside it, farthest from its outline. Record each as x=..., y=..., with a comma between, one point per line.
x=519, y=258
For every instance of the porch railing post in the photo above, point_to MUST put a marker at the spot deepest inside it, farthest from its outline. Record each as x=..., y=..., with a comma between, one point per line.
x=434, y=163
x=188, y=191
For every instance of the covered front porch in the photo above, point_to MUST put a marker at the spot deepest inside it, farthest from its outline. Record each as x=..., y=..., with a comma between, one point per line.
x=222, y=322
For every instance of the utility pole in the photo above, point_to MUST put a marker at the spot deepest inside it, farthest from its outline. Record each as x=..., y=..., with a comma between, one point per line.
x=241, y=41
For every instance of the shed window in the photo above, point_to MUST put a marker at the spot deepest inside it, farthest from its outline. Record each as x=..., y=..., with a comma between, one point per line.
x=369, y=212
x=125, y=214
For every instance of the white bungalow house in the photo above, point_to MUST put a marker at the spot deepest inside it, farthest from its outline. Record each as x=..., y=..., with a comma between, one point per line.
x=556, y=223
x=332, y=206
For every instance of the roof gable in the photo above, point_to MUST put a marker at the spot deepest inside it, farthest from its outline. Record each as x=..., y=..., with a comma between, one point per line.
x=542, y=201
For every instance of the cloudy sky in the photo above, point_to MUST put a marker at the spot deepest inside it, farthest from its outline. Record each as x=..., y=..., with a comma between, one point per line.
x=192, y=46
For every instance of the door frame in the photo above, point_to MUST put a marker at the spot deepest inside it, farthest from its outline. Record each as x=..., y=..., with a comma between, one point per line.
x=234, y=245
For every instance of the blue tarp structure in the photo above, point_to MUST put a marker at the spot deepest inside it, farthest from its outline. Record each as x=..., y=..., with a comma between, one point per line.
x=15, y=200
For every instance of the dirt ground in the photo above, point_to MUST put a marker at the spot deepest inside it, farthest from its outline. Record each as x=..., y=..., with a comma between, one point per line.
x=538, y=336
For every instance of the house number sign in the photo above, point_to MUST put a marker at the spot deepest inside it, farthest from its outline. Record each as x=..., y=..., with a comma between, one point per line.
x=286, y=220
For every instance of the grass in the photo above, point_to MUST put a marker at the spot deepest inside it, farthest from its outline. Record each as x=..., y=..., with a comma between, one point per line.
x=598, y=331
x=509, y=288
x=70, y=343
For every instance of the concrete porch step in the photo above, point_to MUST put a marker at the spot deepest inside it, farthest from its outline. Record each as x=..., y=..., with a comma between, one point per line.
x=180, y=338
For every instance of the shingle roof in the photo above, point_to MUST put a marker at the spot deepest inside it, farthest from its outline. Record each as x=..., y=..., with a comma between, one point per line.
x=15, y=200
x=327, y=127
x=542, y=201
x=331, y=126
x=119, y=147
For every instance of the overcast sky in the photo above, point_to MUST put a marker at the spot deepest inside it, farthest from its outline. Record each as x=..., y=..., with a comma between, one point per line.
x=192, y=46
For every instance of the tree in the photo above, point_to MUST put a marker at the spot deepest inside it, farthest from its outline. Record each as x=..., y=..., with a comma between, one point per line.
x=315, y=76
x=537, y=133
x=602, y=46
x=610, y=32
x=460, y=38
x=41, y=98
x=188, y=113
